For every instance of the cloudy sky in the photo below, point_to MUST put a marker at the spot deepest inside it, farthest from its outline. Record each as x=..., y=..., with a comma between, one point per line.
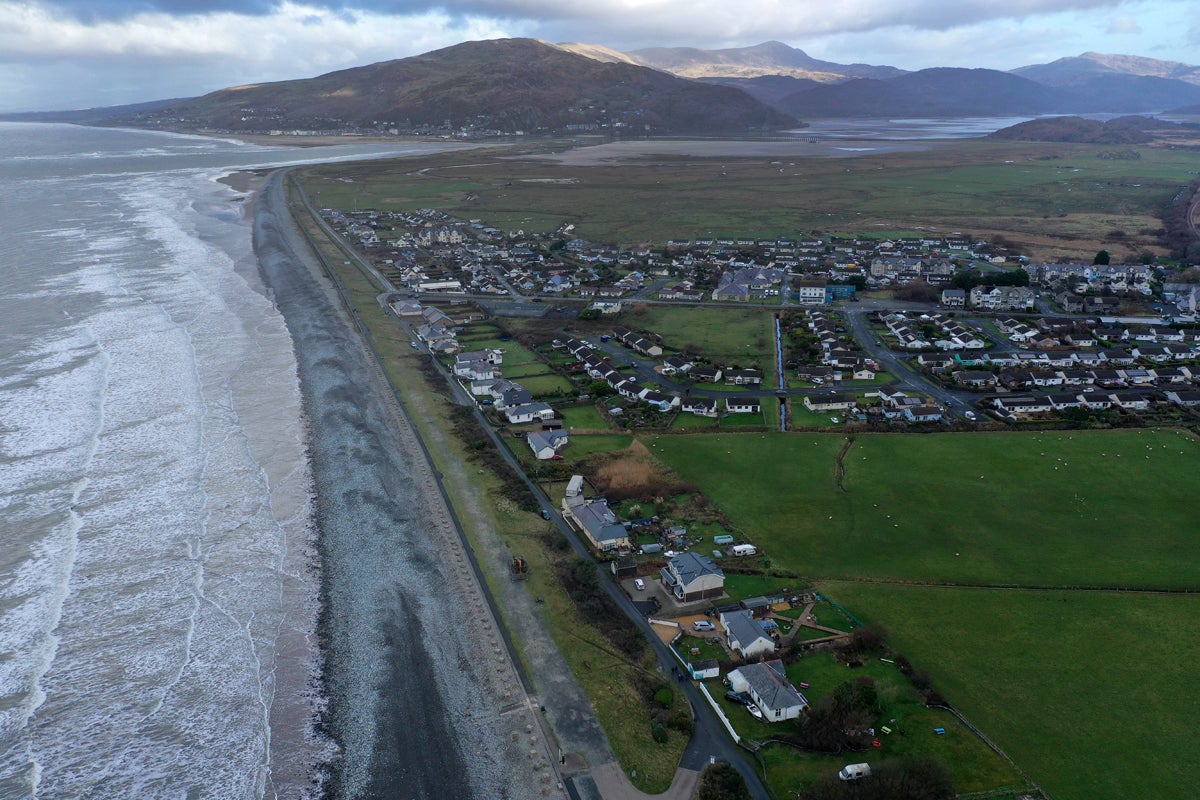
x=57, y=54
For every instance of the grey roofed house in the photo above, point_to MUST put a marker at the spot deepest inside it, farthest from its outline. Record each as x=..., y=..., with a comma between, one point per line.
x=516, y=396
x=689, y=577
x=597, y=521
x=545, y=444
x=745, y=634
x=768, y=686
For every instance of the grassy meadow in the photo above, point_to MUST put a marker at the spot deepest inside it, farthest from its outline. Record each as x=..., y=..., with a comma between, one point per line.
x=1056, y=198
x=1059, y=508
x=1089, y=691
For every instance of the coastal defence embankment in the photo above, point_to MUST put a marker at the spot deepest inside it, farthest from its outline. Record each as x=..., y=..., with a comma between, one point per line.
x=423, y=700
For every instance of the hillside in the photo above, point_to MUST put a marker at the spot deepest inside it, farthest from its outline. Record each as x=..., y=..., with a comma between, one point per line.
x=1076, y=69
x=769, y=89
x=1123, y=130
x=91, y=116
x=952, y=92
x=504, y=85
x=938, y=92
x=768, y=58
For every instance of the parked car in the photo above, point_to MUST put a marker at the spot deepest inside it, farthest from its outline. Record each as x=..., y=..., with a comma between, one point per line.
x=639, y=584
x=545, y=514
x=741, y=698
x=970, y=415
x=703, y=625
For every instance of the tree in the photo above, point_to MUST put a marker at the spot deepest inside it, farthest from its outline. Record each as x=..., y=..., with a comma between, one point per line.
x=1102, y=257
x=722, y=782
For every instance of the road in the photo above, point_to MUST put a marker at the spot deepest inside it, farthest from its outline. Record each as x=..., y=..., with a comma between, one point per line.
x=709, y=739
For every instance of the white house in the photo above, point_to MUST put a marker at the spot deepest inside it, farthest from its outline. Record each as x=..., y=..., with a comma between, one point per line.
x=745, y=635
x=546, y=444
x=529, y=412
x=768, y=687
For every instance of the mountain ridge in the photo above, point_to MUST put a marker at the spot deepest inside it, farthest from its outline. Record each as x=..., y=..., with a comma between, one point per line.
x=496, y=85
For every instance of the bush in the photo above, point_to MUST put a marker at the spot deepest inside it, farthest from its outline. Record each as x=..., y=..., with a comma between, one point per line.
x=664, y=697
x=658, y=732
x=722, y=782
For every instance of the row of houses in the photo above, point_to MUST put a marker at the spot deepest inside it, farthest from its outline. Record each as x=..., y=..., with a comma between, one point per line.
x=1068, y=359
x=837, y=360
x=479, y=370
x=894, y=406
x=1028, y=405
x=598, y=367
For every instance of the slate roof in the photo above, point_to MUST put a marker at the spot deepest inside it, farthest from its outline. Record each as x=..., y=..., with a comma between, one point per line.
x=770, y=684
x=690, y=566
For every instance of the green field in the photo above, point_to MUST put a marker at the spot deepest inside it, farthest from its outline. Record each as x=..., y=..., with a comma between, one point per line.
x=1061, y=508
x=1089, y=691
x=1055, y=197
x=586, y=418
x=1092, y=693
x=722, y=335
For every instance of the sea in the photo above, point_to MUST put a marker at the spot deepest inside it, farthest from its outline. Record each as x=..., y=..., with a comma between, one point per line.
x=159, y=578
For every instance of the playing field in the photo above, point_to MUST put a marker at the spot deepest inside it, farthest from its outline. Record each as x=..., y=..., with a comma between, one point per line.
x=1089, y=691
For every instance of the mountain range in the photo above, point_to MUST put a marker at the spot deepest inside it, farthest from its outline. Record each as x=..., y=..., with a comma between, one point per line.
x=526, y=85
x=499, y=85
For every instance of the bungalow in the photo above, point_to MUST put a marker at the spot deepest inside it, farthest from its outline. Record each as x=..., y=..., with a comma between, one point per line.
x=705, y=373
x=1076, y=377
x=743, y=377
x=546, y=444
x=595, y=520
x=1173, y=374
x=935, y=362
x=745, y=635
x=1186, y=398
x=818, y=373
x=1021, y=405
x=702, y=406
x=663, y=402
x=1097, y=400
x=528, y=412
x=768, y=687
x=690, y=576
x=628, y=389
x=740, y=405
x=1131, y=401
x=862, y=372
x=675, y=364
x=828, y=402
x=923, y=414
x=975, y=378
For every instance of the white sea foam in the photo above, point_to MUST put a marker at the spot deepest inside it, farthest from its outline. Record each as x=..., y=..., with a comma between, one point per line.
x=153, y=470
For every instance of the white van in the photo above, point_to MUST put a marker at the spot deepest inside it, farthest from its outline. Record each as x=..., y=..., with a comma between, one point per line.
x=852, y=772
x=639, y=584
